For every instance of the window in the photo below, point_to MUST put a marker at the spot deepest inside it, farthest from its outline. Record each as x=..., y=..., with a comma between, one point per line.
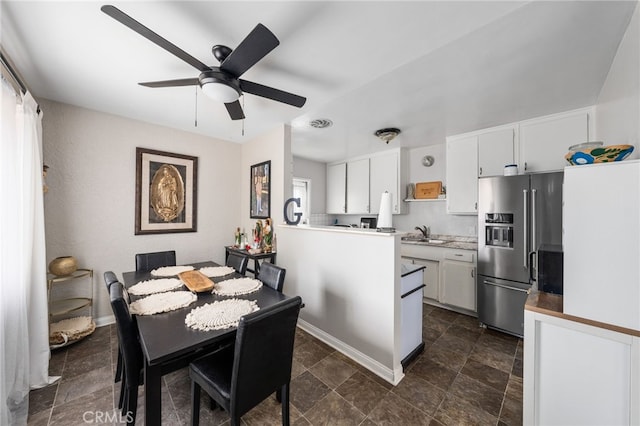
x=302, y=190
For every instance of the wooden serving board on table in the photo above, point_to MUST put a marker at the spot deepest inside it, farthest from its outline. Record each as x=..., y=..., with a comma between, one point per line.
x=196, y=281
x=427, y=190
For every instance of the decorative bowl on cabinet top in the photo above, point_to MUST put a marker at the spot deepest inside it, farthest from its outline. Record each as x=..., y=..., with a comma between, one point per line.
x=600, y=154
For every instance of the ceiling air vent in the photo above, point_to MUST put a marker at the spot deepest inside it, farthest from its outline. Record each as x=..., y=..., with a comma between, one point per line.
x=321, y=123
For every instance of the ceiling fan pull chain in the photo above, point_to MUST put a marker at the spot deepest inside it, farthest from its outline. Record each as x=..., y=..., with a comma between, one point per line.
x=243, y=118
x=196, y=117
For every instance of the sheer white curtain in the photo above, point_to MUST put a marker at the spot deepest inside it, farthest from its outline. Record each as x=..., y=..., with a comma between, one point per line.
x=24, y=340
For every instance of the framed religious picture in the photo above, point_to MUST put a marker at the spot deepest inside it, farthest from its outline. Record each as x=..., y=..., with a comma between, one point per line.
x=166, y=192
x=260, y=191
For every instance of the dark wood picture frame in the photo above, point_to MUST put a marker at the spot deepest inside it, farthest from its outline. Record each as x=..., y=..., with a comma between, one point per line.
x=166, y=192
x=260, y=191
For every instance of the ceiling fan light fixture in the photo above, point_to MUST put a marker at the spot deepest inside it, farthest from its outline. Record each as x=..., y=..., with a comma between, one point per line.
x=220, y=91
x=388, y=134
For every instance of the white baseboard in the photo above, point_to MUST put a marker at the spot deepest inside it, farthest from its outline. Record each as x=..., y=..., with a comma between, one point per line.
x=390, y=375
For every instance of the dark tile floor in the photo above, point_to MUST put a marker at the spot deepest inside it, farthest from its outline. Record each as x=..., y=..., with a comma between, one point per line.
x=466, y=375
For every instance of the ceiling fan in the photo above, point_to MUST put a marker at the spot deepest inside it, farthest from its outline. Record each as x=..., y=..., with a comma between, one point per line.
x=221, y=83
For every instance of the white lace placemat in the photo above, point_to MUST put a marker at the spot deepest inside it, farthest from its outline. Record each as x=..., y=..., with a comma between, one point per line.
x=220, y=314
x=155, y=286
x=170, y=271
x=216, y=271
x=162, y=302
x=236, y=286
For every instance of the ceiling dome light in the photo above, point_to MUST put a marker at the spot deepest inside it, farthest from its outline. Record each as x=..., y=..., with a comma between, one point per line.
x=220, y=92
x=387, y=135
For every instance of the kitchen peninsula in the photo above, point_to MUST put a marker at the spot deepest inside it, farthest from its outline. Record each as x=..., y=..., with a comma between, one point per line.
x=349, y=281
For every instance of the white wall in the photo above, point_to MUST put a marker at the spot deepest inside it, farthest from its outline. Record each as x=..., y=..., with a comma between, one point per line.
x=275, y=145
x=90, y=206
x=349, y=304
x=317, y=173
x=432, y=213
x=618, y=106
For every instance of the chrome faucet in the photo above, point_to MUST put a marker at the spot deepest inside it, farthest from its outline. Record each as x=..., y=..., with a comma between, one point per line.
x=424, y=230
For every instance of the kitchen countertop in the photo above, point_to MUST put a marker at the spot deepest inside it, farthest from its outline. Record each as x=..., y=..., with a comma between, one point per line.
x=551, y=304
x=452, y=241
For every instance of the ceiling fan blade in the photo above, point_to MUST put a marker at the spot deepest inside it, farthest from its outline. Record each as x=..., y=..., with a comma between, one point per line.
x=254, y=47
x=136, y=26
x=171, y=83
x=271, y=93
x=235, y=110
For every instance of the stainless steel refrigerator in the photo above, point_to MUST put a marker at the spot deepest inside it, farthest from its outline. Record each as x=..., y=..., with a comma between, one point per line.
x=516, y=214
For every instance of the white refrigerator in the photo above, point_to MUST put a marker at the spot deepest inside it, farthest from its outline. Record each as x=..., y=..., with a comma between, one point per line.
x=601, y=242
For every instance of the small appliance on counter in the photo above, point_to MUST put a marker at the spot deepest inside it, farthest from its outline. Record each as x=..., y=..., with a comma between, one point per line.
x=368, y=222
x=550, y=260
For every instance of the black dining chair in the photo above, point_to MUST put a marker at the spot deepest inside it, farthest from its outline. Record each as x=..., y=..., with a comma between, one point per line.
x=131, y=352
x=238, y=262
x=272, y=275
x=146, y=262
x=240, y=376
x=110, y=278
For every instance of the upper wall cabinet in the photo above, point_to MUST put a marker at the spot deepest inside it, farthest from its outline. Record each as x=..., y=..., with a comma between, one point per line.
x=496, y=149
x=545, y=141
x=462, y=175
x=356, y=186
x=536, y=145
x=388, y=172
x=337, y=188
x=478, y=154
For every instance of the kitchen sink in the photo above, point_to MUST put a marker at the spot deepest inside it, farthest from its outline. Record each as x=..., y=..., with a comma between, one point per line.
x=415, y=238
x=421, y=239
x=432, y=241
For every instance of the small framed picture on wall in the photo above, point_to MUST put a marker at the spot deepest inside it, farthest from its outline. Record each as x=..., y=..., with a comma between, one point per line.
x=260, y=191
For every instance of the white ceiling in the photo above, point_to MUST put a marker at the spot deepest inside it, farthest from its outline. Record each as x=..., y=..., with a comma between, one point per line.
x=430, y=68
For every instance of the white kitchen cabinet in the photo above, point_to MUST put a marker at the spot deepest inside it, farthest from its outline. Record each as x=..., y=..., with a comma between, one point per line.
x=536, y=145
x=384, y=177
x=358, y=186
x=337, y=188
x=462, y=175
x=458, y=283
x=449, y=275
x=600, y=221
x=579, y=374
x=496, y=149
x=431, y=276
x=545, y=141
x=355, y=186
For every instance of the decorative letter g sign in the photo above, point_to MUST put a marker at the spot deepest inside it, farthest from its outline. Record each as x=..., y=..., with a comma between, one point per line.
x=296, y=215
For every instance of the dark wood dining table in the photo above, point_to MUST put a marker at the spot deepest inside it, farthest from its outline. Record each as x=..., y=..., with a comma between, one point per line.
x=168, y=344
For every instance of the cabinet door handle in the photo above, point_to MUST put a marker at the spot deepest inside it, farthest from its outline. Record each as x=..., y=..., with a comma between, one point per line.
x=475, y=206
x=480, y=171
x=473, y=273
x=525, y=165
x=506, y=287
x=525, y=195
